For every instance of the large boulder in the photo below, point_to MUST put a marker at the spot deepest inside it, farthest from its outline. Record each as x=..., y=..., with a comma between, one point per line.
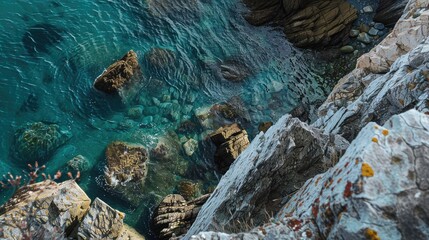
x=44, y=210
x=38, y=141
x=126, y=169
x=174, y=215
x=230, y=141
x=119, y=74
x=272, y=168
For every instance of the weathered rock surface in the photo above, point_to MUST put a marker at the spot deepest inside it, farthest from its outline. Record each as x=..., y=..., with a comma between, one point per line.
x=273, y=167
x=120, y=73
x=37, y=141
x=378, y=190
x=50, y=210
x=101, y=222
x=366, y=95
x=389, y=11
x=174, y=215
x=230, y=141
x=126, y=169
x=320, y=23
x=306, y=23
x=44, y=210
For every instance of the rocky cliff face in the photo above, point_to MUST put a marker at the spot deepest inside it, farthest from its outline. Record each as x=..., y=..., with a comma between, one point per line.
x=379, y=187
x=378, y=190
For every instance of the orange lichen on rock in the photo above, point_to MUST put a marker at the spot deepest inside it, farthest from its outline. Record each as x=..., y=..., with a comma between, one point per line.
x=367, y=170
x=371, y=234
x=374, y=139
x=385, y=132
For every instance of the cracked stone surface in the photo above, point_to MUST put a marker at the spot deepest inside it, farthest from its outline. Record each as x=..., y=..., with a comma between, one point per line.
x=44, y=210
x=274, y=166
x=378, y=190
x=101, y=222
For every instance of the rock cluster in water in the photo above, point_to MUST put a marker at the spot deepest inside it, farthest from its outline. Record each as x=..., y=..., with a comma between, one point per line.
x=119, y=74
x=48, y=210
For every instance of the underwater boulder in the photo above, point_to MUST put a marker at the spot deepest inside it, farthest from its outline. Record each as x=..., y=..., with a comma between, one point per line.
x=118, y=74
x=37, y=141
x=234, y=70
x=38, y=38
x=126, y=169
x=160, y=60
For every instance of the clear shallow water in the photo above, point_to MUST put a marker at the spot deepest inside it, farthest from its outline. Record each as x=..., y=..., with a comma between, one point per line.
x=53, y=82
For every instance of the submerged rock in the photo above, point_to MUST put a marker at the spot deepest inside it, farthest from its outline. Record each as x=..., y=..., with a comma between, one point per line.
x=160, y=59
x=230, y=141
x=126, y=169
x=190, y=146
x=234, y=70
x=79, y=163
x=40, y=37
x=119, y=74
x=38, y=141
x=174, y=215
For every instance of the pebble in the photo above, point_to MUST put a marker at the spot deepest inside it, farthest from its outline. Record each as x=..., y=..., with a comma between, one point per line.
x=364, y=37
x=373, y=32
x=347, y=49
x=155, y=101
x=354, y=33
x=364, y=28
x=379, y=26
x=368, y=9
x=277, y=86
x=166, y=98
x=190, y=147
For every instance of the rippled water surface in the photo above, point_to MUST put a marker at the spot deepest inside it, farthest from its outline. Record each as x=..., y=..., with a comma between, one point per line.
x=51, y=52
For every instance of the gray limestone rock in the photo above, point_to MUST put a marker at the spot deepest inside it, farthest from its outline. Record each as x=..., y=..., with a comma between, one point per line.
x=378, y=190
x=274, y=166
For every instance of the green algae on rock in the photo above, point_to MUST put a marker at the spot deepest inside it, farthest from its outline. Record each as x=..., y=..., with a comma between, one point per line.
x=38, y=141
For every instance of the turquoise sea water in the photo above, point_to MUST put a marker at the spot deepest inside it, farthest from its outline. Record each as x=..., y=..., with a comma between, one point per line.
x=51, y=52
